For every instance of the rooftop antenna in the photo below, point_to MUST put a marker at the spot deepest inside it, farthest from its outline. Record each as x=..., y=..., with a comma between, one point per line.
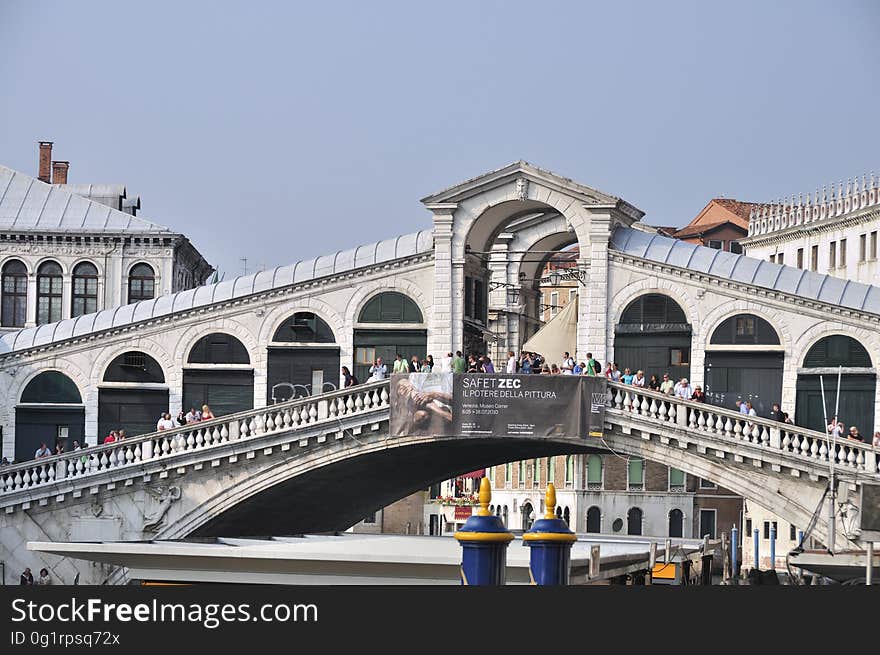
x=243, y=265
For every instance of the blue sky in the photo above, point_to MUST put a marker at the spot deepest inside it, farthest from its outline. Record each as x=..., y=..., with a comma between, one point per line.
x=278, y=130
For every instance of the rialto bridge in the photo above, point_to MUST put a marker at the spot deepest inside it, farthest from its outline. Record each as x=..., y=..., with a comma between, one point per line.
x=255, y=342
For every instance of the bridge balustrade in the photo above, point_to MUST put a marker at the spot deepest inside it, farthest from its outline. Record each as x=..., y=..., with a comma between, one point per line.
x=729, y=424
x=133, y=451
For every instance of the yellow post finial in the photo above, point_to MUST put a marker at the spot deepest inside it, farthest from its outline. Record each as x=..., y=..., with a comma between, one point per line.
x=485, y=498
x=550, y=502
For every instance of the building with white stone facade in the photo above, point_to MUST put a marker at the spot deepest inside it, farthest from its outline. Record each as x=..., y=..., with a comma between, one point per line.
x=69, y=250
x=834, y=233
x=646, y=299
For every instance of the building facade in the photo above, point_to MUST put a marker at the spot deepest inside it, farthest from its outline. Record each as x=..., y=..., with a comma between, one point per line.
x=71, y=250
x=833, y=233
x=722, y=224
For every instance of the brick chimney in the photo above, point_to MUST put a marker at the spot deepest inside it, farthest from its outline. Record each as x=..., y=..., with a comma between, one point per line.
x=59, y=172
x=45, y=162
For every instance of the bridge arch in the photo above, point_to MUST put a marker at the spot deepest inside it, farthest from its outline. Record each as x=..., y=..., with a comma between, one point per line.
x=49, y=410
x=859, y=399
x=661, y=345
x=748, y=366
x=376, y=337
x=134, y=404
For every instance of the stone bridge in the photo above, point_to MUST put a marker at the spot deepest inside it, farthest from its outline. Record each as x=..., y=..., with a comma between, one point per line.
x=260, y=472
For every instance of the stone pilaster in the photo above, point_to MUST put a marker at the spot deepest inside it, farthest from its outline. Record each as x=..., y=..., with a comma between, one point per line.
x=593, y=311
x=440, y=335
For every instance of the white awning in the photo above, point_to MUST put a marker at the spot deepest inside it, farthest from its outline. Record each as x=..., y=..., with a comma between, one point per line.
x=558, y=335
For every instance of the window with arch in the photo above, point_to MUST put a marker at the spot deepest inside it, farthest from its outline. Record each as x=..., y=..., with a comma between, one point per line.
x=304, y=327
x=14, y=312
x=526, y=512
x=134, y=366
x=218, y=348
x=634, y=521
x=51, y=387
x=745, y=329
x=85, y=289
x=594, y=519
x=594, y=473
x=676, y=523
x=653, y=309
x=141, y=283
x=837, y=350
x=390, y=307
x=50, y=281
x=569, y=470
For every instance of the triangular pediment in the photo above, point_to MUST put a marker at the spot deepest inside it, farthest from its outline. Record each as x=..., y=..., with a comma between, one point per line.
x=524, y=170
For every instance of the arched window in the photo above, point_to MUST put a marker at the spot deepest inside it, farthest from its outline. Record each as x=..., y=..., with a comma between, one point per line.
x=304, y=327
x=51, y=387
x=85, y=289
x=837, y=350
x=594, y=472
x=141, y=283
x=634, y=521
x=390, y=307
x=134, y=366
x=676, y=523
x=14, y=294
x=566, y=516
x=218, y=348
x=653, y=309
x=569, y=470
x=594, y=519
x=526, y=512
x=745, y=329
x=49, y=288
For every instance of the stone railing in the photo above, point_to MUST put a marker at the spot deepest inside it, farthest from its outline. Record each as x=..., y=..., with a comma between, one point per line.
x=722, y=423
x=786, y=213
x=242, y=426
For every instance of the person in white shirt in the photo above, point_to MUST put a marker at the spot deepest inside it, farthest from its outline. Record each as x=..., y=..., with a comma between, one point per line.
x=193, y=416
x=567, y=365
x=378, y=370
x=511, y=362
x=639, y=379
x=683, y=390
x=165, y=423
x=445, y=364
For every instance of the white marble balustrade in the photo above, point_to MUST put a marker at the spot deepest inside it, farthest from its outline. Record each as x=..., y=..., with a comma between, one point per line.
x=246, y=425
x=729, y=424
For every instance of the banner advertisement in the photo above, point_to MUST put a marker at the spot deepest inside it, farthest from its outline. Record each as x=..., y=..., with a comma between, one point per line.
x=473, y=404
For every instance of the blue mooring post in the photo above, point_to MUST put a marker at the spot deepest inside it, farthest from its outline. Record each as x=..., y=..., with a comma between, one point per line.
x=734, y=546
x=549, y=541
x=757, y=560
x=484, y=541
x=772, y=547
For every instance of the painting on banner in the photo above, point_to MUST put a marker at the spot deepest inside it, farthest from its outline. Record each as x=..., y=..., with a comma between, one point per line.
x=421, y=404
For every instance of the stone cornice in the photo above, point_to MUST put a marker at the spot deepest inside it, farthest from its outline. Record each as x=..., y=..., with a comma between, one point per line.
x=822, y=309
x=795, y=232
x=201, y=313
